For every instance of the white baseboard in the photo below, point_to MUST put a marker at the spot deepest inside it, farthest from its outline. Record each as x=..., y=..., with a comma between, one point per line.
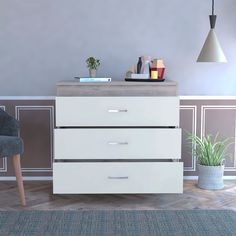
x=49, y=178
x=27, y=178
x=27, y=97
x=195, y=177
x=190, y=177
x=183, y=97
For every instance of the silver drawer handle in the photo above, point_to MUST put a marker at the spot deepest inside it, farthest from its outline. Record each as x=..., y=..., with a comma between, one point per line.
x=118, y=177
x=118, y=143
x=117, y=110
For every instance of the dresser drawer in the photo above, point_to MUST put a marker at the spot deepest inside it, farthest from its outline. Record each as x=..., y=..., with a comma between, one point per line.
x=117, y=111
x=124, y=143
x=98, y=178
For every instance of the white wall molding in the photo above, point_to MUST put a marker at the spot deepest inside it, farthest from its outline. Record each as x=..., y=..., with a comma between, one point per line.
x=204, y=108
x=27, y=97
x=4, y=165
x=27, y=178
x=51, y=115
x=182, y=97
x=196, y=177
x=49, y=178
x=4, y=160
x=206, y=97
x=193, y=108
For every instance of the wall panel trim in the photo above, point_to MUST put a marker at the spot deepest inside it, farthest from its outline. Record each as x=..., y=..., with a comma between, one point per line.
x=27, y=97
x=27, y=178
x=196, y=177
x=204, y=108
x=207, y=97
x=4, y=165
x=49, y=178
x=182, y=97
x=51, y=113
x=4, y=160
x=193, y=108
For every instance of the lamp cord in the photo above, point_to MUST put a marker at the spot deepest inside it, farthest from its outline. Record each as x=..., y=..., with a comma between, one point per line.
x=213, y=6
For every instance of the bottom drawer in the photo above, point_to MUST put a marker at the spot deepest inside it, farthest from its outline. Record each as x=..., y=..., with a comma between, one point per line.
x=114, y=177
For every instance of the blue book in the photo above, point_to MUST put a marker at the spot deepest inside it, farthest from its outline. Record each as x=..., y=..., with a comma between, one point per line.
x=89, y=79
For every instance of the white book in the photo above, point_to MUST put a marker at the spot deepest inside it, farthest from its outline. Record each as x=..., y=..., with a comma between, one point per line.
x=88, y=79
x=138, y=76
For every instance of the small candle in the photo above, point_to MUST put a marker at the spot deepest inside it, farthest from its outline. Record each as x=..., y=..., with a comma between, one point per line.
x=154, y=73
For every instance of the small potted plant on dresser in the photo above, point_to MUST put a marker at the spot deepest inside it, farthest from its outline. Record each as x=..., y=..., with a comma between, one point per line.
x=92, y=64
x=211, y=154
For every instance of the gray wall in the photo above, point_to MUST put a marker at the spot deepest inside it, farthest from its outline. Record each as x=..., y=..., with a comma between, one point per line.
x=44, y=41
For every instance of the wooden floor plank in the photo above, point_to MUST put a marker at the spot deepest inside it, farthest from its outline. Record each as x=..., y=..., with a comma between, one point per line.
x=39, y=197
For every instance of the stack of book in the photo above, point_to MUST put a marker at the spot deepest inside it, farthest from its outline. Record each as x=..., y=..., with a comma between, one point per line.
x=137, y=76
x=92, y=80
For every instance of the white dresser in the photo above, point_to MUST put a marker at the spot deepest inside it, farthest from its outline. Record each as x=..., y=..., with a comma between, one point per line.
x=118, y=137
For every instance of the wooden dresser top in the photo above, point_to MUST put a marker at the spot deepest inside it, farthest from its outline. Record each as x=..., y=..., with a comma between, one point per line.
x=116, y=88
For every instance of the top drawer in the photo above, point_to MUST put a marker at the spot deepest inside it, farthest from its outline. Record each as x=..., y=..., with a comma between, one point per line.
x=117, y=111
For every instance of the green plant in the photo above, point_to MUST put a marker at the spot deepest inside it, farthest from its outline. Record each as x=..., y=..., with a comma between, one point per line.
x=92, y=63
x=210, y=151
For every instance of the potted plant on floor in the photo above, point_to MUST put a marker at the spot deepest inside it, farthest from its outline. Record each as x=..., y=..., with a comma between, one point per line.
x=211, y=154
x=92, y=64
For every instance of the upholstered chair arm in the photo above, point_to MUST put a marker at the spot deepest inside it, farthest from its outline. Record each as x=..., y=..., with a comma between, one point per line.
x=9, y=126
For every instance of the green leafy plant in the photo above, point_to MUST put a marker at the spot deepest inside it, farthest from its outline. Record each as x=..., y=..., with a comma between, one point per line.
x=92, y=63
x=210, y=151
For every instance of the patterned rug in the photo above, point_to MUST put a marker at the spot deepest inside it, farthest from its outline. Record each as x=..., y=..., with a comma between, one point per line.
x=122, y=223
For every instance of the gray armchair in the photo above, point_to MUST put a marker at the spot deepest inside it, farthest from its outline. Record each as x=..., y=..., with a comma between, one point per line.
x=12, y=146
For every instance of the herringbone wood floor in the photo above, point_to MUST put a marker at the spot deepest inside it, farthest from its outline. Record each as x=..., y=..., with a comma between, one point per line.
x=39, y=197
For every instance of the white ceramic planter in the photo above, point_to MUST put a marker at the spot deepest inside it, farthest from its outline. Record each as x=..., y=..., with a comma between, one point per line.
x=92, y=73
x=210, y=177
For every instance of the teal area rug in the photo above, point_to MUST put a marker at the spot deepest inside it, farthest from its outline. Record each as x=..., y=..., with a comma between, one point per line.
x=122, y=223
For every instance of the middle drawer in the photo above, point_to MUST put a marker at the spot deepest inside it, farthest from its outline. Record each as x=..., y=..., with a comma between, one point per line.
x=82, y=143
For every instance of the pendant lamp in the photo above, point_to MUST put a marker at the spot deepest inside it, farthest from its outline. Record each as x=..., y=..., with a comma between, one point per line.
x=212, y=51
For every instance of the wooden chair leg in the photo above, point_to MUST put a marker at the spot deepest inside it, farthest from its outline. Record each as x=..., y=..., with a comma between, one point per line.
x=19, y=180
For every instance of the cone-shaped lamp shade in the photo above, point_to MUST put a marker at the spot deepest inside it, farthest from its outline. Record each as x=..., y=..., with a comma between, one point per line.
x=211, y=51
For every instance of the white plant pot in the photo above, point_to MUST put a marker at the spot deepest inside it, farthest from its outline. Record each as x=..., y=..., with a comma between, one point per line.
x=210, y=177
x=92, y=73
